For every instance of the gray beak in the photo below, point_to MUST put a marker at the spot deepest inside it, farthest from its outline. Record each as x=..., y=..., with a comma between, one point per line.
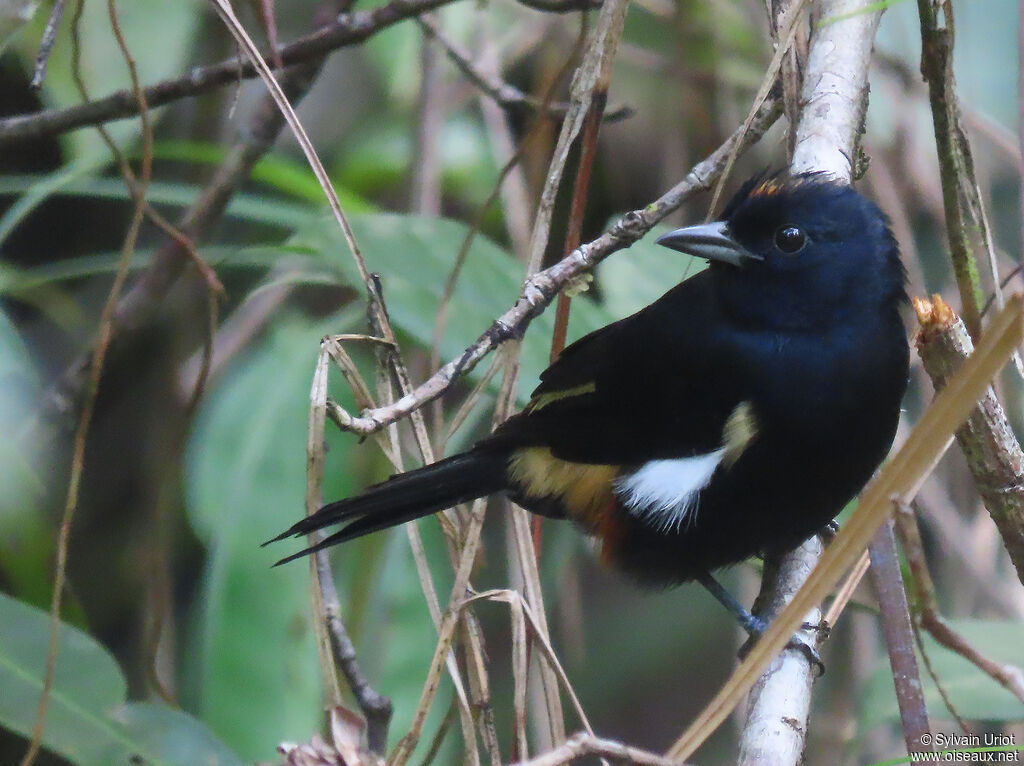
x=708, y=240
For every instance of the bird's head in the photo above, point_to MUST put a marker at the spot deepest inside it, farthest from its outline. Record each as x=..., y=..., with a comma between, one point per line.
x=798, y=253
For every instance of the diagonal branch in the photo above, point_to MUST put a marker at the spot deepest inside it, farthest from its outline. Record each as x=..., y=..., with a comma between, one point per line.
x=994, y=456
x=540, y=289
x=345, y=30
x=506, y=95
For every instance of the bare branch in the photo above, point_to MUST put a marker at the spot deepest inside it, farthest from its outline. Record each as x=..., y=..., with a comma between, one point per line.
x=347, y=29
x=1009, y=676
x=993, y=454
x=826, y=140
x=583, y=744
x=540, y=289
x=507, y=96
x=899, y=637
x=46, y=43
x=375, y=707
x=775, y=729
x=937, y=69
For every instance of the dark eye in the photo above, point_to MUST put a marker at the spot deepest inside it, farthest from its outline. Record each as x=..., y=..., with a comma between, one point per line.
x=790, y=239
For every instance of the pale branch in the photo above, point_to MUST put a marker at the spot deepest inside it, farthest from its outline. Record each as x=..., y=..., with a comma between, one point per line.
x=582, y=745
x=345, y=30
x=540, y=289
x=835, y=89
x=834, y=98
x=46, y=43
x=775, y=728
x=993, y=454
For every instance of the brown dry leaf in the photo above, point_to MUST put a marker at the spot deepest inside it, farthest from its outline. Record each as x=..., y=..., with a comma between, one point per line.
x=345, y=749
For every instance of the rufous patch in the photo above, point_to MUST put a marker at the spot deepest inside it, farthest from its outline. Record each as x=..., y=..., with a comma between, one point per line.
x=585, y=489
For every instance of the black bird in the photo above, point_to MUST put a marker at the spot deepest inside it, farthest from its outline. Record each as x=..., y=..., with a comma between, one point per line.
x=734, y=416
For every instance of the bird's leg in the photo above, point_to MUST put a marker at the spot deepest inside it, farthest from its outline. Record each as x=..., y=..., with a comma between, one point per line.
x=755, y=626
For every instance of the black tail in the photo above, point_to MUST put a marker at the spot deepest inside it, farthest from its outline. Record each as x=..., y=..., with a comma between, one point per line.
x=404, y=497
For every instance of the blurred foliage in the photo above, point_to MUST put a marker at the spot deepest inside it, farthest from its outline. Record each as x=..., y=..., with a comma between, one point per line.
x=89, y=720
x=175, y=503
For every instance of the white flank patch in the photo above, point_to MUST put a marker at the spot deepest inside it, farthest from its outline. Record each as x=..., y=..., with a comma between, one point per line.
x=666, y=491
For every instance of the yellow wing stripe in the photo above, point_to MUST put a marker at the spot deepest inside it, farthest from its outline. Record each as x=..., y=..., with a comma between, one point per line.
x=543, y=400
x=740, y=429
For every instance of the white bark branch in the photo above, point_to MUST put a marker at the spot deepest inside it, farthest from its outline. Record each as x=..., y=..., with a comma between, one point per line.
x=827, y=140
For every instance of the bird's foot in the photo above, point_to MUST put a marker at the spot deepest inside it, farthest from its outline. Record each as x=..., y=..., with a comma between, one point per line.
x=828, y=532
x=755, y=626
x=795, y=643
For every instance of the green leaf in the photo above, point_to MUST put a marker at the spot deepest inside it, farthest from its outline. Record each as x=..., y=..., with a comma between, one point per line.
x=88, y=721
x=255, y=672
x=36, y=189
x=25, y=538
x=22, y=282
x=280, y=172
x=974, y=694
x=72, y=181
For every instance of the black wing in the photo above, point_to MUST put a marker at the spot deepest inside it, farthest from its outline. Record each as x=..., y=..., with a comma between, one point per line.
x=658, y=384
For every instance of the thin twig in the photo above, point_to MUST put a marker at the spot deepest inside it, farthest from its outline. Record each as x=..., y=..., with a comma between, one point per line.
x=441, y=319
x=142, y=299
x=1009, y=676
x=534, y=131
x=543, y=286
x=46, y=43
x=516, y=602
x=899, y=638
x=787, y=35
x=425, y=181
x=937, y=69
x=574, y=232
x=214, y=288
x=846, y=590
x=345, y=30
x=449, y=621
x=506, y=95
x=582, y=745
x=375, y=707
x=578, y=206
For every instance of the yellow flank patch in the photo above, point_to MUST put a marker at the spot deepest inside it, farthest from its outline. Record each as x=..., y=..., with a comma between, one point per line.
x=584, y=489
x=543, y=400
x=740, y=429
